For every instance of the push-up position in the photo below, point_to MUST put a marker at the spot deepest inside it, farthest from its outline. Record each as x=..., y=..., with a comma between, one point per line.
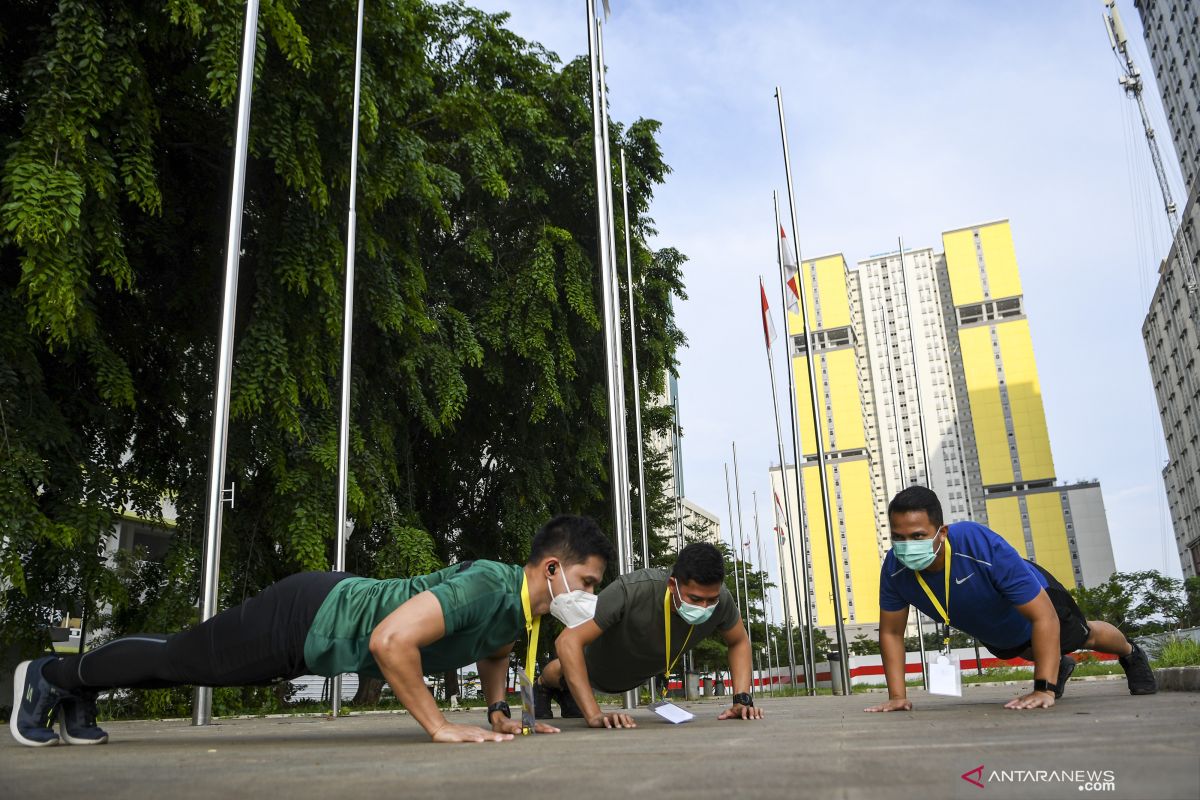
x=328, y=623
x=968, y=576
x=625, y=644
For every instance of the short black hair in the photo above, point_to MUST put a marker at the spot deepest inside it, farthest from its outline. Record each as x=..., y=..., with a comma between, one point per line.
x=573, y=539
x=917, y=498
x=699, y=562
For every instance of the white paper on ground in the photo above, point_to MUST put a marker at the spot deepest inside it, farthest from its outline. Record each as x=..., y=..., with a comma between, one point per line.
x=671, y=712
x=945, y=676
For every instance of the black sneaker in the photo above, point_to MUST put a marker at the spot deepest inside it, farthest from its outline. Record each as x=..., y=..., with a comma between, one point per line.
x=77, y=719
x=541, y=701
x=566, y=702
x=34, y=701
x=1065, y=668
x=1138, y=673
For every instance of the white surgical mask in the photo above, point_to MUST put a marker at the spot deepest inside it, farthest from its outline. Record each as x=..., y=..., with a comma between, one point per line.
x=571, y=608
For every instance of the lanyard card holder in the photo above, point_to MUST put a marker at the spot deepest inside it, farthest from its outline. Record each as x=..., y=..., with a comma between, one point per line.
x=528, y=719
x=945, y=675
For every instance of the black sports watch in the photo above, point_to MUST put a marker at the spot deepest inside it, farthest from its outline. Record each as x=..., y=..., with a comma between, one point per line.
x=502, y=707
x=743, y=699
x=1042, y=685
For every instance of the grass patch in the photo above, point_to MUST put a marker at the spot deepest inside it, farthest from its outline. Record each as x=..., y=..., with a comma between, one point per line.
x=1178, y=653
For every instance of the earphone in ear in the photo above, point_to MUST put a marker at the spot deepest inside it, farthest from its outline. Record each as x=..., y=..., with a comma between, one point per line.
x=552, y=567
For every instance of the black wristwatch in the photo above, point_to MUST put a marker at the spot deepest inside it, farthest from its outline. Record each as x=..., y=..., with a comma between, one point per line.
x=502, y=707
x=1042, y=685
x=743, y=699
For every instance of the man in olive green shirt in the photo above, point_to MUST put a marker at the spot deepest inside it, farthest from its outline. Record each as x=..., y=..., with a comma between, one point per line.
x=329, y=623
x=625, y=643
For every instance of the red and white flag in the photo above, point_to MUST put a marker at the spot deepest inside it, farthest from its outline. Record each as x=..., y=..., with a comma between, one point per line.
x=791, y=275
x=781, y=518
x=768, y=324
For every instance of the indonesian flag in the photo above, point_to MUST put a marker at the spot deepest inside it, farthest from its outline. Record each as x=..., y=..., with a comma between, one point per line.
x=790, y=273
x=768, y=324
x=780, y=518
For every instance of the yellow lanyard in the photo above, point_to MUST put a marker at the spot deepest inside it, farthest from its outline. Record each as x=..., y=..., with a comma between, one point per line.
x=533, y=626
x=943, y=611
x=667, y=648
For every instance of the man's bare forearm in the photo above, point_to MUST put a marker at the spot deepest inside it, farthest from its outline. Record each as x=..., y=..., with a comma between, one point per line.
x=891, y=647
x=574, y=670
x=400, y=664
x=740, y=666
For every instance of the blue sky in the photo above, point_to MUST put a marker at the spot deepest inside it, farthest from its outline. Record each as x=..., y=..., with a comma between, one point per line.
x=904, y=119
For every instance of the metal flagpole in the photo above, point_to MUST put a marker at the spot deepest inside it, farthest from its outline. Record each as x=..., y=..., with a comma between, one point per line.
x=677, y=469
x=768, y=330
x=912, y=346
x=762, y=591
x=737, y=489
x=737, y=586
x=802, y=601
x=834, y=561
x=341, y=523
x=780, y=527
x=637, y=391
x=615, y=309
x=202, y=697
x=607, y=251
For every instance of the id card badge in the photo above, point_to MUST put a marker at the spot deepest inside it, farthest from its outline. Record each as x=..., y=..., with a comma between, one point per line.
x=528, y=719
x=945, y=675
x=671, y=712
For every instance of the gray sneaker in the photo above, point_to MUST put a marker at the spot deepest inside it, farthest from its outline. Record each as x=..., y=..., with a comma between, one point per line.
x=34, y=701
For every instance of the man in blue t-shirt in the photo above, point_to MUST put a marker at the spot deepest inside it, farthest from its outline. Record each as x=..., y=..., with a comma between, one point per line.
x=1012, y=606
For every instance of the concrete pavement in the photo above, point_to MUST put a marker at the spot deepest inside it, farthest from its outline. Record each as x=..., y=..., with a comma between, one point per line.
x=807, y=747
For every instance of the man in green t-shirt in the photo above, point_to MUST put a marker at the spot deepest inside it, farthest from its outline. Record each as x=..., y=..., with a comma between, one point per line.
x=625, y=643
x=329, y=623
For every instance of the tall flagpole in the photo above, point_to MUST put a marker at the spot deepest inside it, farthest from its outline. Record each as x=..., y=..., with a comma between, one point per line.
x=737, y=586
x=780, y=527
x=616, y=369
x=768, y=619
x=767, y=331
x=900, y=455
x=342, y=523
x=202, y=697
x=834, y=561
x=637, y=391
x=802, y=590
x=737, y=488
x=912, y=346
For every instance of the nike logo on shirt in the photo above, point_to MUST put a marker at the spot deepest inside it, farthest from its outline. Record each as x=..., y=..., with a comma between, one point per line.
x=958, y=581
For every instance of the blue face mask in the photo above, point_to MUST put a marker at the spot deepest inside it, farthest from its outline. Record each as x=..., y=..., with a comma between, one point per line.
x=693, y=614
x=916, y=554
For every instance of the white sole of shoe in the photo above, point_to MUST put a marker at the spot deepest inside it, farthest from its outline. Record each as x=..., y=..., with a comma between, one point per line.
x=69, y=739
x=18, y=686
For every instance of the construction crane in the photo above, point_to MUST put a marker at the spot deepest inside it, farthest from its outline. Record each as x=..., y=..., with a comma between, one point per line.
x=1131, y=82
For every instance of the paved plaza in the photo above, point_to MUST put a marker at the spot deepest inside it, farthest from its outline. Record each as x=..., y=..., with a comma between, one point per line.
x=807, y=747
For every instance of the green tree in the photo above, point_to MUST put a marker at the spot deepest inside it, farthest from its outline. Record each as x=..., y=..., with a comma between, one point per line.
x=478, y=380
x=1136, y=602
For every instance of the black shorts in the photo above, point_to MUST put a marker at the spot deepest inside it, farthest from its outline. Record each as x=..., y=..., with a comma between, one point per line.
x=1073, y=630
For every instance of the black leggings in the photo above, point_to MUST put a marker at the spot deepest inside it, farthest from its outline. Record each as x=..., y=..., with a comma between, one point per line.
x=257, y=643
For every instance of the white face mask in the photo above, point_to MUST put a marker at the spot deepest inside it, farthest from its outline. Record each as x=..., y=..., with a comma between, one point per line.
x=571, y=608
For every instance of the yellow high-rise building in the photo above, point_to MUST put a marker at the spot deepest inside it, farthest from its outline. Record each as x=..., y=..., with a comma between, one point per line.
x=1008, y=421
x=832, y=297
